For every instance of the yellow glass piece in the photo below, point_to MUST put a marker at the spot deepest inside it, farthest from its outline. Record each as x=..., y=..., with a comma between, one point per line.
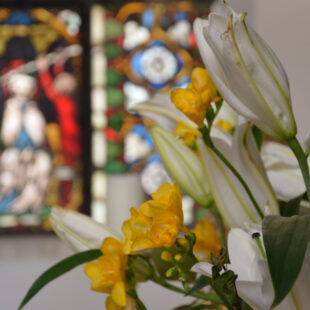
x=207, y=240
x=107, y=274
x=156, y=223
x=225, y=125
x=187, y=133
x=197, y=97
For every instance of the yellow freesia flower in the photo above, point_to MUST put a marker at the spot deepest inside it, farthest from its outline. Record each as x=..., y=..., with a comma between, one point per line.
x=107, y=274
x=197, y=97
x=207, y=240
x=187, y=133
x=157, y=222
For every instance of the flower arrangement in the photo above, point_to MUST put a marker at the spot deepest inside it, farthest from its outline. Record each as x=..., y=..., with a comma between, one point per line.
x=209, y=137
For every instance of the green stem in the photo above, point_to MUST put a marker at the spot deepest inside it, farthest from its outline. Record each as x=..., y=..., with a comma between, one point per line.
x=200, y=295
x=240, y=178
x=302, y=161
x=223, y=297
x=220, y=223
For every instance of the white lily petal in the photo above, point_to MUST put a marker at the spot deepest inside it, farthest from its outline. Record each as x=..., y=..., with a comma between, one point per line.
x=283, y=170
x=203, y=268
x=79, y=232
x=229, y=194
x=243, y=252
x=162, y=111
x=183, y=164
x=214, y=68
x=230, y=49
x=247, y=161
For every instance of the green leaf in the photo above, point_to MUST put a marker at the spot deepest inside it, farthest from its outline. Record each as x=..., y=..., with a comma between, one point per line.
x=290, y=207
x=199, y=284
x=286, y=240
x=58, y=270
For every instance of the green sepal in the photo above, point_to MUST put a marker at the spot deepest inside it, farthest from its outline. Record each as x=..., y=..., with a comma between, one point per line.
x=58, y=270
x=286, y=240
x=199, y=284
x=258, y=137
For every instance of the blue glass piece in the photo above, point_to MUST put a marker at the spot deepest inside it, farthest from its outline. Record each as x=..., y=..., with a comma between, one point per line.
x=182, y=83
x=181, y=15
x=179, y=62
x=6, y=201
x=148, y=18
x=139, y=130
x=157, y=86
x=154, y=158
x=24, y=140
x=135, y=63
x=19, y=18
x=156, y=43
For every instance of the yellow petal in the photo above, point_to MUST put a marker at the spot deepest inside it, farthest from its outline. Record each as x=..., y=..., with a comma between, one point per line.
x=118, y=294
x=111, y=305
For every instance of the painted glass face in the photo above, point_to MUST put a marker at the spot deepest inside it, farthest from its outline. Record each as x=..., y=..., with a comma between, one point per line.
x=40, y=152
x=138, y=49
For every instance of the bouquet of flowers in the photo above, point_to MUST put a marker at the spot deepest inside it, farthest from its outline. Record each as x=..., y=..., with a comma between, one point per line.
x=211, y=138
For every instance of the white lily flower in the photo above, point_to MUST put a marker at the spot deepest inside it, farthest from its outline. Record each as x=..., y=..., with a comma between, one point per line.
x=229, y=194
x=79, y=232
x=183, y=165
x=283, y=170
x=246, y=72
x=254, y=283
x=162, y=112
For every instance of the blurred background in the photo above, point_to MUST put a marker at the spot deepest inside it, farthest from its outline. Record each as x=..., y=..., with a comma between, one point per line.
x=69, y=72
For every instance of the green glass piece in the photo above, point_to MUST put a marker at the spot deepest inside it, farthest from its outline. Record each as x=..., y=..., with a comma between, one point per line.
x=116, y=122
x=112, y=51
x=114, y=149
x=114, y=166
x=114, y=78
x=114, y=97
x=113, y=29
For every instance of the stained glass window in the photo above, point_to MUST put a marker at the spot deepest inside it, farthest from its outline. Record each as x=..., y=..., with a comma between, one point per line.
x=40, y=91
x=138, y=49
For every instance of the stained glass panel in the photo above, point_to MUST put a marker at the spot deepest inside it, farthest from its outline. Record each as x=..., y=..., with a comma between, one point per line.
x=41, y=78
x=138, y=49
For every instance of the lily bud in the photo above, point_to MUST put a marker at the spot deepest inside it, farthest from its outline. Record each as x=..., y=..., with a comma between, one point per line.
x=246, y=72
x=79, y=232
x=183, y=164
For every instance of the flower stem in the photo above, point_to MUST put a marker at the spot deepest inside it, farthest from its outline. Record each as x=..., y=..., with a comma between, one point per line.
x=200, y=295
x=302, y=161
x=220, y=223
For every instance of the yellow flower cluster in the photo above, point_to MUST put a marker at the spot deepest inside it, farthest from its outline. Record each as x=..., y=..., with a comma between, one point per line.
x=156, y=223
x=207, y=240
x=197, y=97
x=108, y=273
